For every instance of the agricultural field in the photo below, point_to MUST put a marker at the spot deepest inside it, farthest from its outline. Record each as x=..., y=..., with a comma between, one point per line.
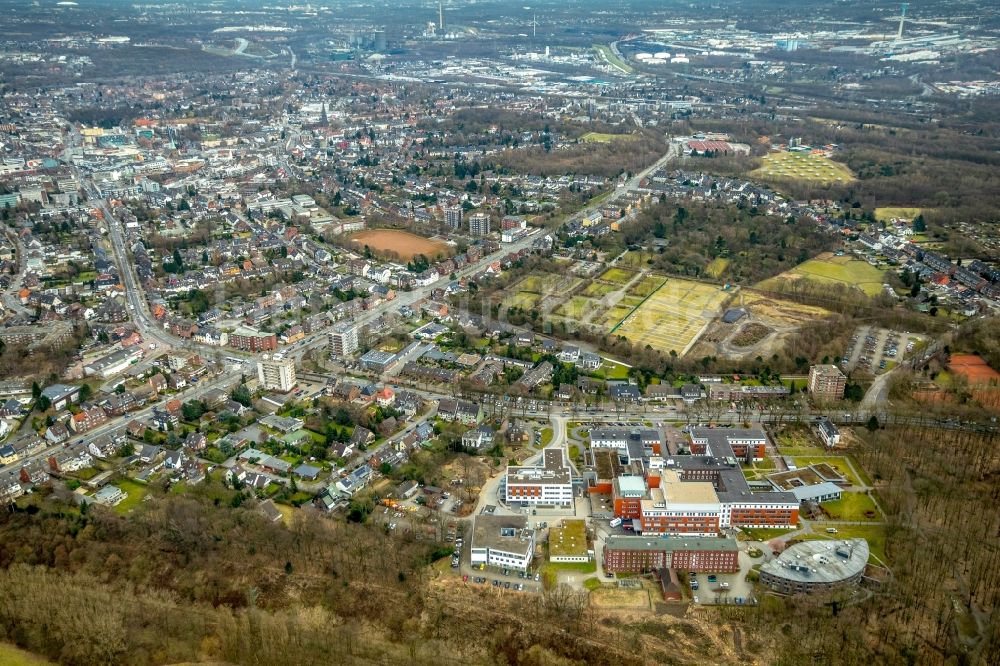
x=802, y=167
x=400, y=245
x=828, y=268
x=673, y=317
x=617, y=276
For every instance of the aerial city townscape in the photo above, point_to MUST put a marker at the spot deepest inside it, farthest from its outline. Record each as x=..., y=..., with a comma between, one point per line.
x=467, y=332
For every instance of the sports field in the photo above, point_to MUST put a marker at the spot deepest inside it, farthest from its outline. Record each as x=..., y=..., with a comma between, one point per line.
x=828, y=268
x=674, y=316
x=802, y=166
x=400, y=244
x=975, y=370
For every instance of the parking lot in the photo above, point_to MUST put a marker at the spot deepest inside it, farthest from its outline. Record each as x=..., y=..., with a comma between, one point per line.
x=877, y=350
x=724, y=588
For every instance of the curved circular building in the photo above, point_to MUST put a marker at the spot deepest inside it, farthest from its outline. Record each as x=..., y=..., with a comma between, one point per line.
x=816, y=566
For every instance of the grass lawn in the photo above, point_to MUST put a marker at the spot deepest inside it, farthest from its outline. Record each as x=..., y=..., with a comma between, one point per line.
x=799, y=384
x=716, y=267
x=889, y=212
x=598, y=289
x=874, y=534
x=852, y=507
x=799, y=442
x=574, y=451
x=592, y=584
x=607, y=55
x=547, y=436
x=829, y=269
x=862, y=474
x=136, y=493
x=616, y=275
x=575, y=308
x=645, y=287
x=613, y=370
x=760, y=534
x=839, y=463
x=298, y=498
x=85, y=474
x=636, y=259
x=525, y=300
x=286, y=512
x=582, y=567
x=11, y=655
x=598, y=137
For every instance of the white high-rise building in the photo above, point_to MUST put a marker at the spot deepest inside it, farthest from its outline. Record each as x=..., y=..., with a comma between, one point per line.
x=343, y=341
x=276, y=373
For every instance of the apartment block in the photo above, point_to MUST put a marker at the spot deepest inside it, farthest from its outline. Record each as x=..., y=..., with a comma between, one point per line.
x=276, y=374
x=826, y=382
x=343, y=340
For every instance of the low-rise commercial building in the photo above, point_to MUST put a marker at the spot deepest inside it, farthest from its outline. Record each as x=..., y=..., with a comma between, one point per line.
x=550, y=484
x=503, y=542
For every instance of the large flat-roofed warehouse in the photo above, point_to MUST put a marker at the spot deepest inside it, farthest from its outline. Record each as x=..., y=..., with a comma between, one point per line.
x=814, y=566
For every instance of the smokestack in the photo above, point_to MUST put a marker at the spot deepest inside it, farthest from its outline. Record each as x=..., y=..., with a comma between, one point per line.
x=902, y=18
x=441, y=16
